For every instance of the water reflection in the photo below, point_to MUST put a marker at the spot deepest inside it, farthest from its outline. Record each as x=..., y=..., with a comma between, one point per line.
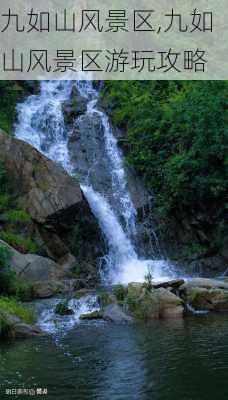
x=181, y=360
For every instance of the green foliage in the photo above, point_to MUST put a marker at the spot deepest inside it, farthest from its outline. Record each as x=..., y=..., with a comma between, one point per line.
x=120, y=292
x=16, y=221
x=148, y=283
x=10, y=284
x=4, y=202
x=177, y=139
x=13, y=307
x=11, y=93
x=6, y=327
x=17, y=216
x=105, y=298
x=24, y=245
x=7, y=276
x=142, y=303
x=23, y=290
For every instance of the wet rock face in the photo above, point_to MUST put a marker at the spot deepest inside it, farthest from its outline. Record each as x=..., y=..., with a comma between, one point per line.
x=91, y=162
x=53, y=199
x=89, y=158
x=87, y=152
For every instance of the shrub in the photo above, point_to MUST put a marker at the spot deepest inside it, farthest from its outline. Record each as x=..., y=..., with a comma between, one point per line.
x=22, y=244
x=7, y=276
x=18, y=216
x=120, y=292
x=11, y=93
x=176, y=137
x=6, y=327
x=10, y=284
x=13, y=307
x=148, y=283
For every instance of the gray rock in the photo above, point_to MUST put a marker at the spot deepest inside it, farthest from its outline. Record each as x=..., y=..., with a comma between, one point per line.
x=33, y=267
x=114, y=313
x=170, y=305
x=205, y=283
x=22, y=330
x=44, y=290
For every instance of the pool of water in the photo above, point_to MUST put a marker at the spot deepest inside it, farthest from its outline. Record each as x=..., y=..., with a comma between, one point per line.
x=164, y=360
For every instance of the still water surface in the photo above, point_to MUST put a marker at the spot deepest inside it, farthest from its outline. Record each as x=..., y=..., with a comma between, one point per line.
x=165, y=360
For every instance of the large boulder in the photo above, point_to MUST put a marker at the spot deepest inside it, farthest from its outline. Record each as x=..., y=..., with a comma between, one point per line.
x=148, y=304
x=33, y=267
x=205, y=283
x=14, y=327
x=46, y=277
x=47, y=191
x=206, y=294
x=53, y=199
x=23, y=331
x=114, y=313
x=170, y=305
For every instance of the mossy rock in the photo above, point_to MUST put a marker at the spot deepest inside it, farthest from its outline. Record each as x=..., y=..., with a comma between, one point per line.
x=62, y=308
x=208, y=299
x=151, y=304
x=92, y=315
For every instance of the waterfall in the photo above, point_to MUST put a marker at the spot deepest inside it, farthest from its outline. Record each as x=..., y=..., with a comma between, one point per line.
x=41, y=123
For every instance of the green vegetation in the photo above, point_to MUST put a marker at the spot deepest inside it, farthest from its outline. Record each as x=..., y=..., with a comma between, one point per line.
x=176, y=136
x=148, y=283
x=7, y=276
x=10, y=284
x=16, y=222
x=24, y=245
x=10, y=309
x=120, y=291
x=11, y=93
x=11, y=306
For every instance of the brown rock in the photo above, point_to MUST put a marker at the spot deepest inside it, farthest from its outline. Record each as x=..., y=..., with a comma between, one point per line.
x=53, y=199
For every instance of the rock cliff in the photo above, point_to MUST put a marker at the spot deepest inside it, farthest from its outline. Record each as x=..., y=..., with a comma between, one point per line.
x=54, y=200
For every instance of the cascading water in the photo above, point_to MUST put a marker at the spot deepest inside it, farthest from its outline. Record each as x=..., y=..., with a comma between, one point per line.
x=54, y=323
x=41, y=123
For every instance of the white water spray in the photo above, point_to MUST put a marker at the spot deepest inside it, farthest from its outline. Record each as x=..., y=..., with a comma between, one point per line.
x=41, y=123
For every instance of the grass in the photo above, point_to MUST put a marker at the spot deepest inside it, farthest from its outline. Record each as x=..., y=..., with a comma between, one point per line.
x=24, y=245
x=17, y=216
x=11, y=306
